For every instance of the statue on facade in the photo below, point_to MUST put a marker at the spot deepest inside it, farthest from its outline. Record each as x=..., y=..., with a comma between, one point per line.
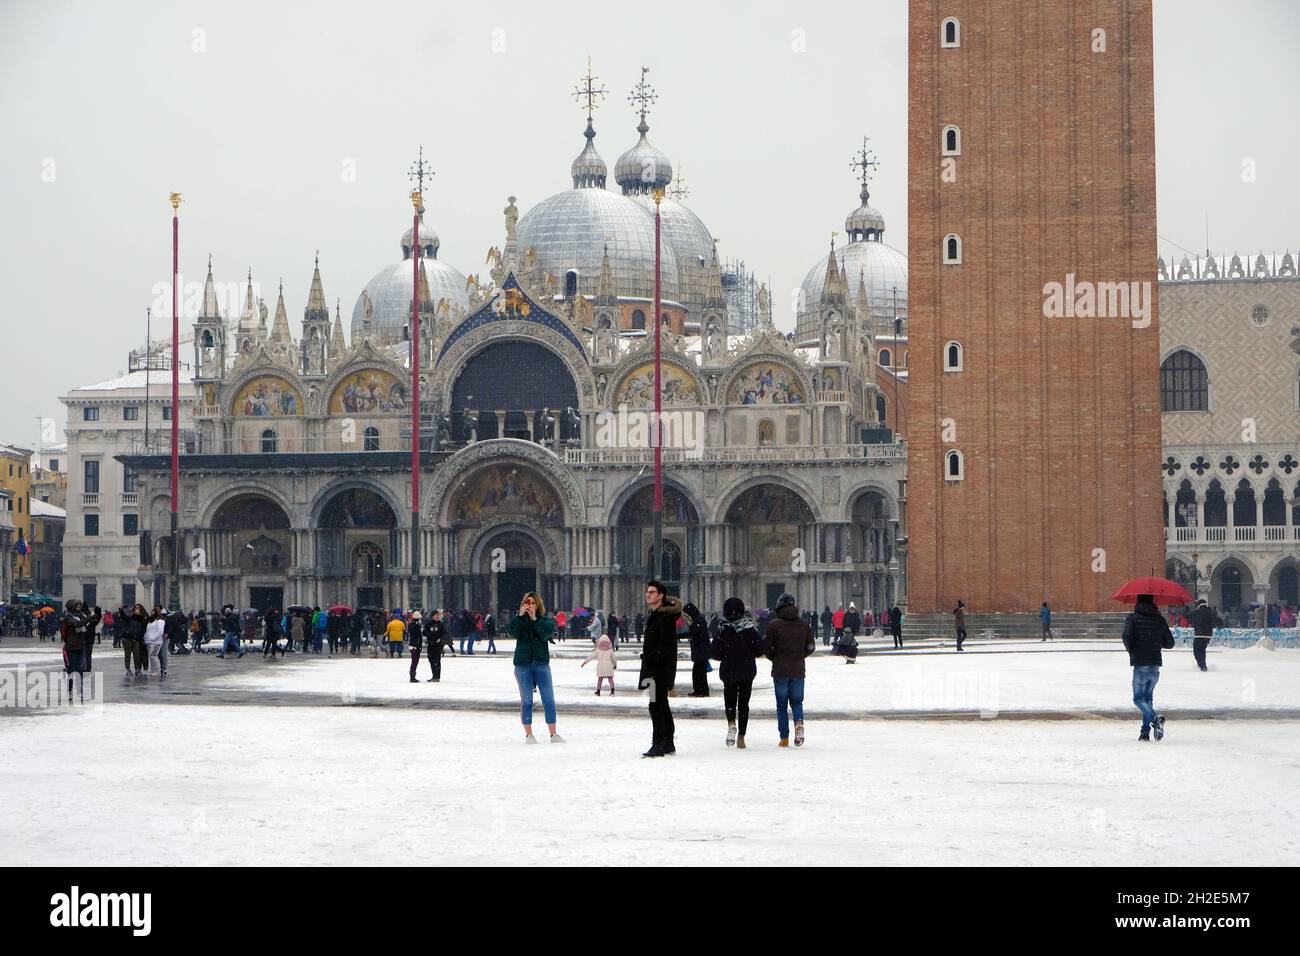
x=574, y=422
x=442, y=431
x=469, y=423
x=546, y=425
x=764, y=305
x=832, y=350
x=714, y=346
x=512, y=219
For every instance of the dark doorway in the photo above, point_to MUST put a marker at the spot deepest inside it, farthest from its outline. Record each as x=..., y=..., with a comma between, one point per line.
x=264, y=599
x=774, y=592
x=370, y=597
x=513, y=585
x=1231, y=587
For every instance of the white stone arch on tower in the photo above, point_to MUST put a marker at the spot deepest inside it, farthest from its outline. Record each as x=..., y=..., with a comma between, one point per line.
x=503, y=451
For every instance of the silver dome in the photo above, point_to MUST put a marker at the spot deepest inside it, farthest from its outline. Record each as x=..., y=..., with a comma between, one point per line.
x=643, y=167
x=389, y=294
x=570, y=229
x=589, y=169
x=882, y=267
x=429, y=241
x=864, y=222
x=688, y=235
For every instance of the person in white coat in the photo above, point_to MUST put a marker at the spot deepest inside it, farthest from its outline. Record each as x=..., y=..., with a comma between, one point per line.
x=606, y=662
x=155, y=633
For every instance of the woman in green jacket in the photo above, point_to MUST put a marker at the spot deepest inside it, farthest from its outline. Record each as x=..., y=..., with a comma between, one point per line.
x=532, y=630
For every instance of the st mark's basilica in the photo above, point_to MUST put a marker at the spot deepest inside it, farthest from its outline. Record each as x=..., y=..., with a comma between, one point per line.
x=783, y=472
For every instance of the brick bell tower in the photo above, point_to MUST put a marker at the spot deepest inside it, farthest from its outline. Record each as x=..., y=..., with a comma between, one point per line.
x=1034, y=427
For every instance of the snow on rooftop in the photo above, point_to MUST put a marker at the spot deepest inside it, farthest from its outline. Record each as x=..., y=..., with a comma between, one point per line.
x=156, y=377
x=43, y=509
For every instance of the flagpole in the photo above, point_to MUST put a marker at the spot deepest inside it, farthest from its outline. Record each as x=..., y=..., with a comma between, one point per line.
x=174, y=596
x=415, y=597
x=657, y=560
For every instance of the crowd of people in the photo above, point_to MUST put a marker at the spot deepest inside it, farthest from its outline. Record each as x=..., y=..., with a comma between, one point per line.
x=735, y=638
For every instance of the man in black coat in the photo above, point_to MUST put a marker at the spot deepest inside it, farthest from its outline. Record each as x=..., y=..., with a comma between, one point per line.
x=1146, y=632
x=659, y=665
x=896, y=625
x=699, y=638
x=436, y=636
x=1203, y=620
x=828, y=625
x=415, y=637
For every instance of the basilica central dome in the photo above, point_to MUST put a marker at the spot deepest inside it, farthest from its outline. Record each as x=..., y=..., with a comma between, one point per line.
x=572, y=229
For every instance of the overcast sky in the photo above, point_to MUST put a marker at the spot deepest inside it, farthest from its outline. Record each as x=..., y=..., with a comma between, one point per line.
x=289, y=131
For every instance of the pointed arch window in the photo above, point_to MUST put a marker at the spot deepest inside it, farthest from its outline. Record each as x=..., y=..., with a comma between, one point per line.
x=951, y=141
x=952, y=249
x=950, y=33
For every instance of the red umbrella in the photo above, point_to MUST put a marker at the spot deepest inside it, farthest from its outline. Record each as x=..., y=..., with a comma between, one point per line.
x=1162, y=590
x=340, y=609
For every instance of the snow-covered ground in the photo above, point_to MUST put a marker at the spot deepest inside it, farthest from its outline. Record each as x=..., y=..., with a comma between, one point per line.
x=991, y=678
x=191, y=785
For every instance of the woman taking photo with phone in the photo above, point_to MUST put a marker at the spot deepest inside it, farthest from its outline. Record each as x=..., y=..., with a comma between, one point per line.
x=532, y=630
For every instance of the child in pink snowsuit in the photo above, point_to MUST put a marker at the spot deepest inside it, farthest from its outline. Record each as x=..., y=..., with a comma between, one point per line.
x=606, y=663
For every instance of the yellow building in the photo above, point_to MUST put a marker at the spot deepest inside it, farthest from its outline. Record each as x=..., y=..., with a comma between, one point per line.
x=16, y=477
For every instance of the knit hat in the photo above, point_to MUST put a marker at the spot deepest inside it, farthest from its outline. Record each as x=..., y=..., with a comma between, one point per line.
x=416, y=616
x=787, y=600
x=733, y=608
x=1200, y=602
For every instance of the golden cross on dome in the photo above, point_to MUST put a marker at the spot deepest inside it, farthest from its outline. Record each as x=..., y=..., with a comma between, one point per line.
x=865, y=160
x=642, y=95
x=589, y=91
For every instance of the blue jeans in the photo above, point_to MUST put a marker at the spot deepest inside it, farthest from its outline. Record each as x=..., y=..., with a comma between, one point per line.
x=788, y=690
x=231, y=643
x=1144, y=685
x=528, y=676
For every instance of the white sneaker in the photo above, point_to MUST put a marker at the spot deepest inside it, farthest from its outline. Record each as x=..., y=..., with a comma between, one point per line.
x=530, y=739
x=556, y=739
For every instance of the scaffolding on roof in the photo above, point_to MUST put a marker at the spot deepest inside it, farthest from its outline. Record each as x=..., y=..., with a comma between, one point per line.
x=740, y=289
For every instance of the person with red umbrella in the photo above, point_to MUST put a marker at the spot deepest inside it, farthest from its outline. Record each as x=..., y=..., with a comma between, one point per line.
x=1146, y=634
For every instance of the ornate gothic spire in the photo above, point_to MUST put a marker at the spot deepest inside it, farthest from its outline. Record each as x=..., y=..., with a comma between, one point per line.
x=280, y=325
x=835, y=291
x=316, y=307
x=248, y=318
x=338, y=344
x=210, y=308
